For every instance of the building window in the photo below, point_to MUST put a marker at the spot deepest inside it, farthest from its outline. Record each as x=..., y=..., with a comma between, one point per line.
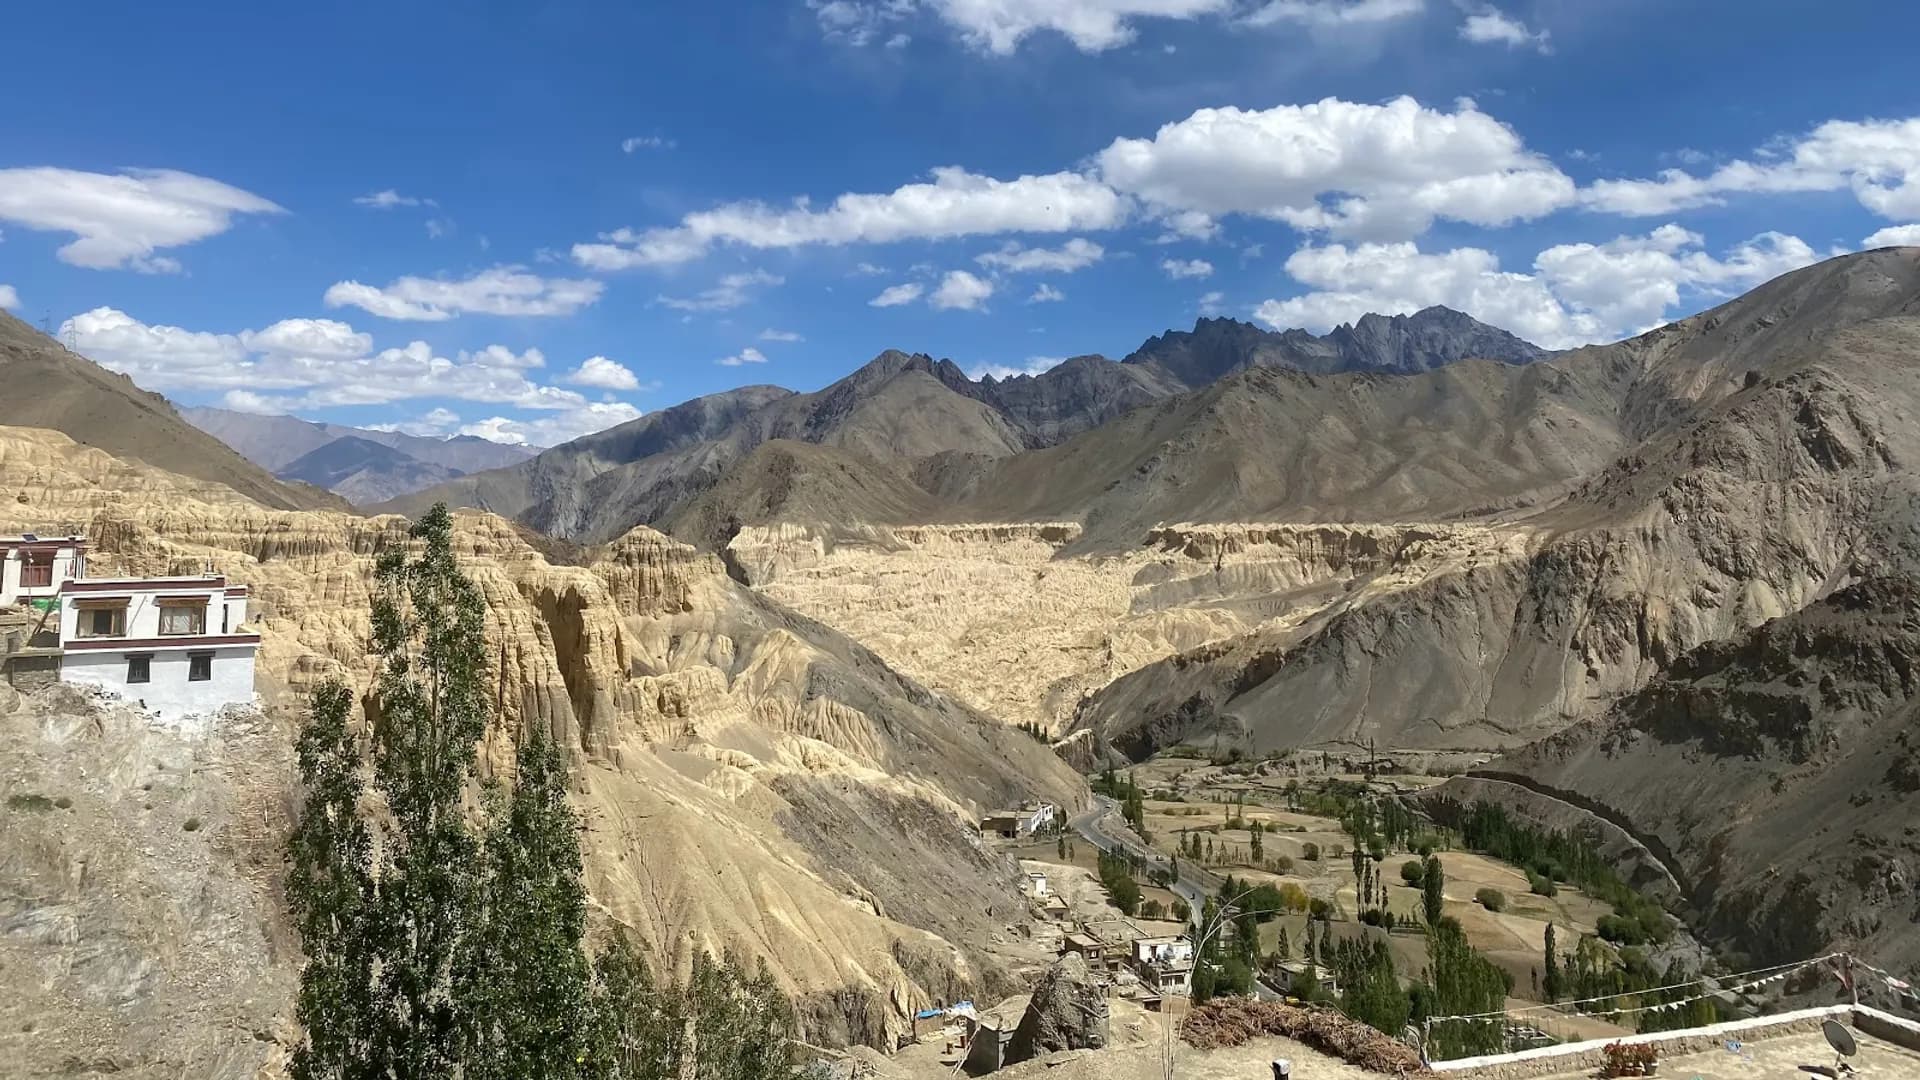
x=36, y=569
x=139, y=669
x=176, y=620
x=199, y=667
x=102, y=622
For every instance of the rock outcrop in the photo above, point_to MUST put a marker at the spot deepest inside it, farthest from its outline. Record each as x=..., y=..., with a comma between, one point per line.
x=1068, y=1012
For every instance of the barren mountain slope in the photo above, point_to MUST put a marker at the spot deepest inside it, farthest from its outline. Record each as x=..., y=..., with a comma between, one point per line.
x=362, y=471
x=787, y=481
x=1429, y=338
x=47, y=386
x=749, y=777
x=1798, y=749
x=1745, y=507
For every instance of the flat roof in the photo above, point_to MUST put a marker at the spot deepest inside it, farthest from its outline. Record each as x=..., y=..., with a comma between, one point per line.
x=94, y=584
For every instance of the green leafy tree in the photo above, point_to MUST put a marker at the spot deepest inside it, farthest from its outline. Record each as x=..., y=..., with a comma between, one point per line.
x=330, y=889
x=1551, y=981
x=1432, y=884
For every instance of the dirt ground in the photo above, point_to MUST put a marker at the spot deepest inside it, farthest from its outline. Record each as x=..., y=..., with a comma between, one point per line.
x=1786, y=1056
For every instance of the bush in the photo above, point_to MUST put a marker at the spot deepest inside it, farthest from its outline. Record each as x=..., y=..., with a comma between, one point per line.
x=1491, y=899
x=1319, y=909
x=1152, y=909
x=38, y=804
x=1412, y=872
x=192, y=824
x=1310, y=851
x=1541, y=886
x=1629, y=1059
x=1281, y=864
x=1620, y=930
x=1182, y=911
x=1377, y=917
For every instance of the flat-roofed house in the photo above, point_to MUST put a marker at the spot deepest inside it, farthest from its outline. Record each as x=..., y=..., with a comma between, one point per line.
x=176, y=645
x=32, y=567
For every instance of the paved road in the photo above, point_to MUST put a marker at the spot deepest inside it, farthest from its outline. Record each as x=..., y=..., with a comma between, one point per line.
x=1102, y=826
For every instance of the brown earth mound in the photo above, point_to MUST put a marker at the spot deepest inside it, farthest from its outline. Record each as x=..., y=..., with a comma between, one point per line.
x=1237, y=1021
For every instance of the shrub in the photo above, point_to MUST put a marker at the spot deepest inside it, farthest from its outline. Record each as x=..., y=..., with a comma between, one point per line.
x=1541, y=886
x=38, y=804
x=1182, y=911
x=1491, y=899
x=1620, y=931
x=1411, y=872
x=1376, y=917
x=1281, y=864
x=1319, y=909
x=1310, y=851
x=192, y=824
x=1629, y=1059
x=63, y=803
x=1152, y=909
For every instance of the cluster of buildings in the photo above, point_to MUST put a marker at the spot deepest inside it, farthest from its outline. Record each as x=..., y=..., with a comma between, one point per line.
x=178, y=645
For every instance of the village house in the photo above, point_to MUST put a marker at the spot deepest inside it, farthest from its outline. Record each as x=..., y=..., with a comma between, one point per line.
x=33, y=567
x=1037, y=884
x=175, y=645
x=1291, y=977
x=1091, y=948
x=1164, y=964
x=1017, y=823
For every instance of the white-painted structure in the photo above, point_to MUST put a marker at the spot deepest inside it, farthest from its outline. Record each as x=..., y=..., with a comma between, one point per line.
x=34, y=567
x=1037, y=884
x=1163, y=950
x=175, y=645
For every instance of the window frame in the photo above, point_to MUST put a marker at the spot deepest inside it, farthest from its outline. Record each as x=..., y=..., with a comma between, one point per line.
x=197, y=619
x=36, y=569
x=198, y=662
x=145, y=667
x=116, y=622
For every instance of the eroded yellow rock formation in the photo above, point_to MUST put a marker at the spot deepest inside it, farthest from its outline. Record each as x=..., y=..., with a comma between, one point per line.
x=749, y=780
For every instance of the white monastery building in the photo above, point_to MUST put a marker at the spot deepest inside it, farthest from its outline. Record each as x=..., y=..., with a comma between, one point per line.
x=177, y=646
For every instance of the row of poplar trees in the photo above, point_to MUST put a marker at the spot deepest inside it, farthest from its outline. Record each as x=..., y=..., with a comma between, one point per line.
x=443, y=917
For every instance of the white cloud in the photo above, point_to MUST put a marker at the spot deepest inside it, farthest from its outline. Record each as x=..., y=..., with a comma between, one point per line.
x=9, y=298
x=998, y=26
x=867, y=269
x=896, y=295
x=1076, y=254
x=645, y=142
x=438, y=227
x=1372, y=171
x=789, y=336
x=388, y=199
x=1179, y=269
x=502, y=290
x=603, y=373
x=1212, y=303
x=1035, y=365
x=1578, y=294
x=955, y=203
x=1491, y=26
x=121, y=221
x=553, y=428
x=748, y=355
x=1878, y=160
x=1327, y=14
x=308, y=363
x=1891, y=236
x=961, y=291
x=434, y=423
x=1046, y=294
x=730, y=293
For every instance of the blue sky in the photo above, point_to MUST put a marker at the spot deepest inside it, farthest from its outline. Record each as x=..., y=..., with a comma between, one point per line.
x=531, y=220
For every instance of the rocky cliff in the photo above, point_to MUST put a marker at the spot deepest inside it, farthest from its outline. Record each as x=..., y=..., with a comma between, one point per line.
x=749, y=778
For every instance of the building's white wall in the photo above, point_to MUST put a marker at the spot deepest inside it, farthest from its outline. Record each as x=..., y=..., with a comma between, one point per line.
x=236, y=614
x=67, y=564
x=143, y=613
x=168, y=694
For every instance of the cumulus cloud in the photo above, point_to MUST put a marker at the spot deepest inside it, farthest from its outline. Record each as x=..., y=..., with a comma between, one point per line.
x=389, y=199
x=553, y=429
x=1878, y=160
x=1076, y=254
x=1046, y=294
x=9, y=298
x=121, y=221
x=748, y=355
x=1370, y=171
x=502, y=290
x=1491, y=26
x=1212, y=303
x=731, y=292
x=961, y=291
x=1178, y=269
x=601, y=372
x=309, y=363
x=955, y=203
x=771, y=334
x=1891, y=236
x=897, y=295
x=1327, y=14
x=1035, y=365
x=434, y=423
x=1577, y=294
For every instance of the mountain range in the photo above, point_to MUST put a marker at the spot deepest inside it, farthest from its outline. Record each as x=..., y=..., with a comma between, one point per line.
x=358, y=464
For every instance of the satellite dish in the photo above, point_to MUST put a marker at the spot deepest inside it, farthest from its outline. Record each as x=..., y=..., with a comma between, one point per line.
x=1842, y=1042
